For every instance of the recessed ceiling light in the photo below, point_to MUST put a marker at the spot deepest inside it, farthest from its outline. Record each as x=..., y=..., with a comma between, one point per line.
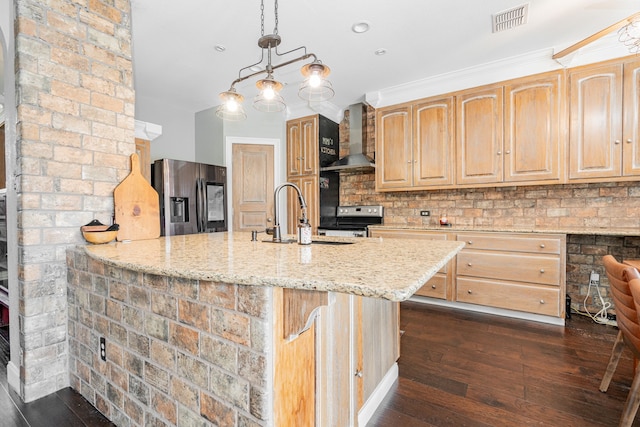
x=220, y=48
x=360, y=27
x=380, y=51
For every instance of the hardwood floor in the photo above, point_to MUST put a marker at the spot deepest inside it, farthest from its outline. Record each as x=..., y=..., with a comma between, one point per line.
x=66, y=408
x=459, y=368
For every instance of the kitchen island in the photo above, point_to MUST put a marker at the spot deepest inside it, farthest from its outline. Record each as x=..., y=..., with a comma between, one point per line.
x=218, y=328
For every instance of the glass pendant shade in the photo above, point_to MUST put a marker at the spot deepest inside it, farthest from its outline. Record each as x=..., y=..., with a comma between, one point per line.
x=231, y=107
x=316, y=88
x=629, y=35
x=269, y=99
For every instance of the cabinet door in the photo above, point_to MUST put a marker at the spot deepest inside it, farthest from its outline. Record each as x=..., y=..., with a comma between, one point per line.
x=533, y=128
x=393, y=150
x=302, y=146
x=479, y=136
x=595, y=131
x=433, y=143
x=309, y=186
x=631, y=125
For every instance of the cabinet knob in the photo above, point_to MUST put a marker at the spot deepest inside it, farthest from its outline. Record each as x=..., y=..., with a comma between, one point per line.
x=508, y=152
x=499, y=153
x=433, y=286
x=629, y=141
x=542, y=245
x=359, y=373
x=541, y=301
x=469, y=292
x=542, y=270
x=469, y=242
x=617, y=141
x=408, y=161
x=469, y=264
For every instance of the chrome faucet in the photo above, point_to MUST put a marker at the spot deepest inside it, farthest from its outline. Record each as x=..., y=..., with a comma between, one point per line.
x=275, y=230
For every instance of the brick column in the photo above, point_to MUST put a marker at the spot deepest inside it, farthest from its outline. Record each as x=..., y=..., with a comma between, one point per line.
x=75, y=132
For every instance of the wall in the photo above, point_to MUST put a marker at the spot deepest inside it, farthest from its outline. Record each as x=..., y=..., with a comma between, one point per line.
x=178, y=128
x=75, y=133
x=178, y=352
x=576, y=205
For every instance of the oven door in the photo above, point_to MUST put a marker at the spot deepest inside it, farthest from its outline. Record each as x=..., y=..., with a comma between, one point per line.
x=342, y=232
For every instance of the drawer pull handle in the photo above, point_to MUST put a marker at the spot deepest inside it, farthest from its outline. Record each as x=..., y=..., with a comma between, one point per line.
x=542, y=245
x=541, y=301
x=470, y=242
x=469, y=264
x=433, y=286
x=469, y=292
x=542, y=270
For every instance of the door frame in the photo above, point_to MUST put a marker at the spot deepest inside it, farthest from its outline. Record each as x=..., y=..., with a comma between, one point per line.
x=278, y=175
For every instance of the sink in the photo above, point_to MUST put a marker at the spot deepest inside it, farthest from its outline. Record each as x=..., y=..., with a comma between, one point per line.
x=330, y=242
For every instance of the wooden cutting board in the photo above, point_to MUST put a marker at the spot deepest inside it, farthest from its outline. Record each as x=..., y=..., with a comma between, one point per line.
x=137, y=206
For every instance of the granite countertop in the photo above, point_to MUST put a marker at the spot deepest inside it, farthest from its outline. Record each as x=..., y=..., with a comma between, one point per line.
x=382, y=268
x=601, y=231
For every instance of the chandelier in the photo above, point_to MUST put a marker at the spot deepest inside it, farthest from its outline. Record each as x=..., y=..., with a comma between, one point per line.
x=629, y=35
x=315, y=87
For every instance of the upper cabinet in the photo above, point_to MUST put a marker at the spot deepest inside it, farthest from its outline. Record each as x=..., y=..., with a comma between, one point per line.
x=604, y=130
x=302, y=146
x=414, y=145
x=479, y=135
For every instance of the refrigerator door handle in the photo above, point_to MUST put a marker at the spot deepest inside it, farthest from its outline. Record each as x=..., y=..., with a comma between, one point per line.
x=199, y=205
x=203, y=207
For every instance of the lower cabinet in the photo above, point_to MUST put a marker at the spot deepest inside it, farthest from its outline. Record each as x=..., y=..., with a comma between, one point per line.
x=523, y=272
x=358, y=344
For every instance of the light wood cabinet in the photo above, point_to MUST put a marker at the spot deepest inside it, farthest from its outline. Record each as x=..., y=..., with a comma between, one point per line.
x=595, y=131
x=415, y=145
x=522, y=272
x=310, y=188
x=479, y=135
x=439, y=286
x=302, y=146
x=513, y=271
x=631, y=117
x=534, y=128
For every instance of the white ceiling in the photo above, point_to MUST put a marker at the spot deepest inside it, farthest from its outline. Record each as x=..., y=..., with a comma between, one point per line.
x=175, y=59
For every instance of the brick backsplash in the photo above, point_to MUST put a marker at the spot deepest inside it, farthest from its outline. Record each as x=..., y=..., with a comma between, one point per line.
x=563, y=206
x=179, y=352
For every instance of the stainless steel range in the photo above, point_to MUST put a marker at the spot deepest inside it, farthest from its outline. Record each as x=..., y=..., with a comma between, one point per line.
x=353, y=221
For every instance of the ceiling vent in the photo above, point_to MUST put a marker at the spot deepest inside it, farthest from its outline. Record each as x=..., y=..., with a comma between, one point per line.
x=511, y=18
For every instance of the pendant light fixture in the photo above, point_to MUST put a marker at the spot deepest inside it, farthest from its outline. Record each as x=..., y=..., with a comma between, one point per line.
x=315, y=87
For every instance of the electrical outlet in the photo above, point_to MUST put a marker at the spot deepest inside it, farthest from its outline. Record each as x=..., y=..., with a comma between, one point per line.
x=594, y=279
x=425, y=213
x=103, y=349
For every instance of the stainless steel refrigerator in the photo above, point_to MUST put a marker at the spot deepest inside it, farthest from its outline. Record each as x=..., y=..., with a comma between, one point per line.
x=193, y=196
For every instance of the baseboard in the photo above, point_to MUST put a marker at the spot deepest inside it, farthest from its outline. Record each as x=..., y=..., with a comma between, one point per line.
x=13, y=377
x=490, y=310
x=370, y=406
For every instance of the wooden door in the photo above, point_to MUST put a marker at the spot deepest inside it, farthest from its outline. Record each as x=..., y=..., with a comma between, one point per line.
x=310, y=188
x=631, y=116
x=595, y=130
x=433, y=130
x=533, y=131
x=252, y=180
x=393, y=148
x=479, y=135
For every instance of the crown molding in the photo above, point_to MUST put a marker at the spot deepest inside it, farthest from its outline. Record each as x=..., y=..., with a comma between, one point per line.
x=148, y=131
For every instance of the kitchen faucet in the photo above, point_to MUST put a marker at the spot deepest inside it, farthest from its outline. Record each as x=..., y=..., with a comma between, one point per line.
x=275, y=230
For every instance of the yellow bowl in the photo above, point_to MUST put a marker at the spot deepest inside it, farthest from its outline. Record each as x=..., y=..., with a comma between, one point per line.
x=98, y=237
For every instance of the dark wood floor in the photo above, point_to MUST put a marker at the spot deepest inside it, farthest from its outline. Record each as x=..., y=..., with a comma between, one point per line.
x=468, y=369
x=66, y=408
x=456, y=369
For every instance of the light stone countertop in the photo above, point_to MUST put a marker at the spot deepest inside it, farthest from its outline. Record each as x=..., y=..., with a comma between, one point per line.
x=382, y=268
x=599, y=231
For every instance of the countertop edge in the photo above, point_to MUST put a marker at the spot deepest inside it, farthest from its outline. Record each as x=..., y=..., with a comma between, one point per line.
x=598, y=231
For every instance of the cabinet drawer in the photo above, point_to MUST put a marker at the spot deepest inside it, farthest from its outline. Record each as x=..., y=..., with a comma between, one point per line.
x=532, y=299
x=436, y=287
x=517, y=267
x=543, y=245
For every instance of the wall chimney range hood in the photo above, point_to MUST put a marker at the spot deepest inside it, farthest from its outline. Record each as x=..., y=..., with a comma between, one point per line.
x=356, y=160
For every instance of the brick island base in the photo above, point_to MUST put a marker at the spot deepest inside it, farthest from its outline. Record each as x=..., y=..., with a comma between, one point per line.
x=188, y=352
